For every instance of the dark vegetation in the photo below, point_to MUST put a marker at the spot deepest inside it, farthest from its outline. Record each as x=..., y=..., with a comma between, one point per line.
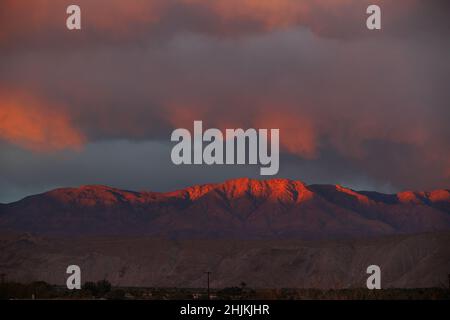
x=103, y=290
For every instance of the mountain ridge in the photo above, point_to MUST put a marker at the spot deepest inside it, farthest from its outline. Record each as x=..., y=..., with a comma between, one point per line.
x=237, y=208
x=198, y=190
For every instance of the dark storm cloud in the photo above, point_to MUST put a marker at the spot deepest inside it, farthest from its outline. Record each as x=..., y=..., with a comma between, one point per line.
x=360, y=108
x=40, y=24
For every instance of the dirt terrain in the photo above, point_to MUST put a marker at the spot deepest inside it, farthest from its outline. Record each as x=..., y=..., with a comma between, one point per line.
x=410, y=261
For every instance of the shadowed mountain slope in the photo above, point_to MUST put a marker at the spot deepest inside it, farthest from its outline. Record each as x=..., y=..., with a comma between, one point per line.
x=239, y=208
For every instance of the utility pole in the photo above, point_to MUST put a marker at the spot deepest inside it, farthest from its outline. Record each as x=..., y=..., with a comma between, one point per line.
x=208, y=273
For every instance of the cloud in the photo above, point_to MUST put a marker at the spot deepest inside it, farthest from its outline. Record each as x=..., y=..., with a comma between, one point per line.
x=41, y=23
x=35, y=125
x=354, y=107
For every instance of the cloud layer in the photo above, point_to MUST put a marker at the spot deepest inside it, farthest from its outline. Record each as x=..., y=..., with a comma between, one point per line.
x=354, y=107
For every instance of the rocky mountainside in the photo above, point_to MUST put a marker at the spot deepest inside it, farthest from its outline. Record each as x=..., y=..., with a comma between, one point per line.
x=240, y=209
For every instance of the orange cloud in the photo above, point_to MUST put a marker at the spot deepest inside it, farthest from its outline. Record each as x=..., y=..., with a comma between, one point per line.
x=297, y=133
x=31, y=124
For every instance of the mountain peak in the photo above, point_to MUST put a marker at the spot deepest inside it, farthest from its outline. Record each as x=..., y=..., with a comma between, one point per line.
x=244, y=187
x=417, y=197
x=90, y=195
x=281, y=189
x=439, y=195
x=410, y=197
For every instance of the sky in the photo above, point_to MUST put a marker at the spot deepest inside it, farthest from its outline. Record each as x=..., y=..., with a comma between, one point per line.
x=365, y=109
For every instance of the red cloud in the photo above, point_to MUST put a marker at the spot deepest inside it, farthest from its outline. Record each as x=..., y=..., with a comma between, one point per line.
x=297, y=133
x=33, y=124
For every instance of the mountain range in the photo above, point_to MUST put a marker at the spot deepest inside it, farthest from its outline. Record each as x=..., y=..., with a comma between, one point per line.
x=236, y=209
